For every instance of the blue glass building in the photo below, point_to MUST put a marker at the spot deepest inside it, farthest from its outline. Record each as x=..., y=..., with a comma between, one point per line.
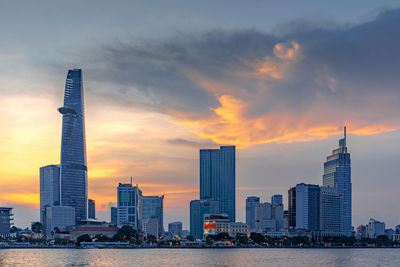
x=198, y=208
x=337, y=174
x=218, y=177
x=73, y=147
x=49, y=188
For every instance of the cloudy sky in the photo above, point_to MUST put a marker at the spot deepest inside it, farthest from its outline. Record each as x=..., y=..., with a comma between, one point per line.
x=165, y=78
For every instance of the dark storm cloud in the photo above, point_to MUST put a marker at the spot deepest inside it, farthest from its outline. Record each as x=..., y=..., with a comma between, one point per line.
x=347, y=67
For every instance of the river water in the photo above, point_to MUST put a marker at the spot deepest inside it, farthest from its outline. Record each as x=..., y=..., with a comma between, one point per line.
x=200, y=257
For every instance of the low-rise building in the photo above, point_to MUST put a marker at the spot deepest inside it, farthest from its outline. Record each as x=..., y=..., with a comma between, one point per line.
x=396, y=237
x=215, y=224
x=238, y=228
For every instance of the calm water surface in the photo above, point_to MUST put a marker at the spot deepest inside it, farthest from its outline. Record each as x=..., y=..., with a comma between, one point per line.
x=200, y=257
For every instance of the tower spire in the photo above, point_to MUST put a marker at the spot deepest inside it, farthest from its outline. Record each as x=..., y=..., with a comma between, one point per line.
x=345, y=134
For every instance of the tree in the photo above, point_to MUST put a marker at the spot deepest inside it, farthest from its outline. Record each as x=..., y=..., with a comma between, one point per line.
x=125, y=233
x=83, y=238
x=102, y=238
x=242, y=239
x=190, y=238
x=37, y=227
x=257, y=238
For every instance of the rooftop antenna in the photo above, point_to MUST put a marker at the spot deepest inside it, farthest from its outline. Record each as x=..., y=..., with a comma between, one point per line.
x=345, y=134
x=131, y=180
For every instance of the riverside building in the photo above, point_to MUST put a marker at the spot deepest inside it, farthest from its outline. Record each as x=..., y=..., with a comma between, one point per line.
x=337, y=174
x=73, y=177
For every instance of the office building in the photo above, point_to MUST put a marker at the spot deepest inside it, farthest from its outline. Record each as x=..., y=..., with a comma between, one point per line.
x=73, y=171
x=150, y=226
x=198, y=208
x=210, y=173
x=251, y=203
x=375, y=228
x=91, y=209
x=361, y=231
x=292, y=208
x=129, y=206
x=175, y=228
x=238, y=228
x=307, y=207
x=58, y=218
x=49, y=188
x=218, y=177
x=337, y=174
x=269, y=218
x=153, y=206
x=6, y=218
x=330, y=210
x=114, y=215
x=277, y=200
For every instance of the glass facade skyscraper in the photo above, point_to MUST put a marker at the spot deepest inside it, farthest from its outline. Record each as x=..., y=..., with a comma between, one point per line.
x=337, y=174
x=251, y=203
x=73, y=147
x=218, y=177
x=153, y=206
x=307, y=207
x=49, y=188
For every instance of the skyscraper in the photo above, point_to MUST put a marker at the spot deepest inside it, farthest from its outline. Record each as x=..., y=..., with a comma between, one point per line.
x=292, y=207
x=251, y=203
x=276, y=200
x=91, y=209
x=129, y=206
x=337, y=174
x=307, y=207
x=210, y=174
x=330, y=210
x=49, y=188
x=218, y=177
x=73, y=147
x=153, y=207
x=228, y=181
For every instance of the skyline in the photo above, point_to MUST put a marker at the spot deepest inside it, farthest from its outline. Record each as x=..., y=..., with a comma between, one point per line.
x=281, y=96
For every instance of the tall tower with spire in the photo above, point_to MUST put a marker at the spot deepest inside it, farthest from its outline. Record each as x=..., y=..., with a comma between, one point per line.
x=73, y=172
x=337, y=174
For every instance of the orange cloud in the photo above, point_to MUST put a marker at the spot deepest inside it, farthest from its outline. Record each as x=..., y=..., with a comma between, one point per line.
x=271, y=69
x=283, y=51
x=229, y=124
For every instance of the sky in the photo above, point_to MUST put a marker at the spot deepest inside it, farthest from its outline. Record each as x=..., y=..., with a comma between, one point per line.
x=162, y=79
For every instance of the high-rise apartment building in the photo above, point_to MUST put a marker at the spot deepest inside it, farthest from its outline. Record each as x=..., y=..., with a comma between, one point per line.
x=129, y=206
x=91, y=209
x=218, y=177
x=307, y=207
x=49, y=188
x=153, y=207
x=73, y=176
x=292, y=207
x=251, y=203
x=330, y=210
x=198, y=208
x=337, y=174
